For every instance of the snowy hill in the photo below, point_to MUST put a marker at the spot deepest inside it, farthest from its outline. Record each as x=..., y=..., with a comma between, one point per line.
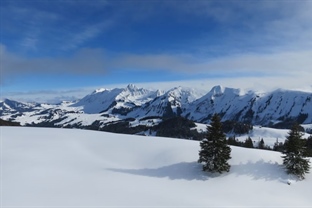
x=269, y=135
x=79, y=168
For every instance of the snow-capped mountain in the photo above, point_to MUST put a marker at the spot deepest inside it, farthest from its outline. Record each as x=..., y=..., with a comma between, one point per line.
x=171, y=103
x=106, y=100
x=106, y=106
x=251, y=107
x=8, y=107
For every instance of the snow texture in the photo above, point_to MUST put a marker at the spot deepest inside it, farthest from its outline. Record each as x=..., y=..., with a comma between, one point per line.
x=44, y=167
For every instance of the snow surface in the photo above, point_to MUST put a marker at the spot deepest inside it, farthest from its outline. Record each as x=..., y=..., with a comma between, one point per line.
x=44, y=167
x=200, y=127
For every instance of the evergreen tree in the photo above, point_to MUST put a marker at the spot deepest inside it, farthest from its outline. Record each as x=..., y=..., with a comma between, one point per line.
x=215, y=152
x=309, y=146
x=294, y=158
x=278, y=146
x=232, y=141
x=261, y=144
x=248, y=143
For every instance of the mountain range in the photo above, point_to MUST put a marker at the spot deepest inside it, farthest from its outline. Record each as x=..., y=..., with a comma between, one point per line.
x=138, y=106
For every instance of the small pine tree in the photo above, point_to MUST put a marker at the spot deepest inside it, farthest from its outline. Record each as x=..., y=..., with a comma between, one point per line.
x=248, y=143
x=294, y=160
x=261, y=144
x=309, y=146
x=215, y=152
x=232, y=141
x=278, y=146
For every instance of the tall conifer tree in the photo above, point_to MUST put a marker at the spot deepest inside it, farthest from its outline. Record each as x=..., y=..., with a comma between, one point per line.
x=261, y=144
x=294, y=160
x=215, y=152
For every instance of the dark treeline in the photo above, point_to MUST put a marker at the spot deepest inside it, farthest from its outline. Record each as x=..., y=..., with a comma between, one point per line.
x=8, y=123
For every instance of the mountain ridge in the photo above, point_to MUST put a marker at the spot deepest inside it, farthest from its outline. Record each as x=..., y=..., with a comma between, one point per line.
x=279, y=108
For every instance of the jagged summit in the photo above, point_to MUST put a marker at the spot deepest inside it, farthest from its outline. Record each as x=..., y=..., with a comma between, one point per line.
x=131, y=87
x=105, y=99
x=99, y=90
x=167, y=104
x=217, y=90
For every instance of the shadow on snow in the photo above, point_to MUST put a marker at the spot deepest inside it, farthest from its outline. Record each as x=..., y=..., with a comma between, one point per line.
x=193, y=171
x=183, y=170
x=263, y=170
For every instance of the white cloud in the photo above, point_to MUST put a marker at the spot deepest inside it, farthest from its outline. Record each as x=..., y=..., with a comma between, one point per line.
x=96, y=61
x=262, y=84
x=275, y=64
x=47, y=96
x=83, y=62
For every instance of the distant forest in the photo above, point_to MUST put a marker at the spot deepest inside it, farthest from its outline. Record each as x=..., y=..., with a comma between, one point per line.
x=8, y=123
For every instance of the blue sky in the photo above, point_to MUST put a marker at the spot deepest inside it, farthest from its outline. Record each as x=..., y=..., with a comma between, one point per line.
x=61, y=49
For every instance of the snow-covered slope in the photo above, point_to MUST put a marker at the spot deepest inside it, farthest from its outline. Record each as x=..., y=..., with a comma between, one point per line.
x=171, y=103
x=107, y=99
x=282, y=104
x=225, y=101
x=251, y=107
x=79, y=168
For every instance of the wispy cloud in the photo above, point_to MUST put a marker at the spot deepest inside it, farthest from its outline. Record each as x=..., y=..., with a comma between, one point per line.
x=241, y=25
x=295, y=82
x=253, y=26
x=96, y=61
x=26, y=23
x=85, y=34
x=83, y=62
x=52, y=25
x=47, y=96
x=281, y=63
x=31, y=39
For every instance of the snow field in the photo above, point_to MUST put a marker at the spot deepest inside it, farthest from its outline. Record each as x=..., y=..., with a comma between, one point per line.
x=269, y=135
x=44, y=167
